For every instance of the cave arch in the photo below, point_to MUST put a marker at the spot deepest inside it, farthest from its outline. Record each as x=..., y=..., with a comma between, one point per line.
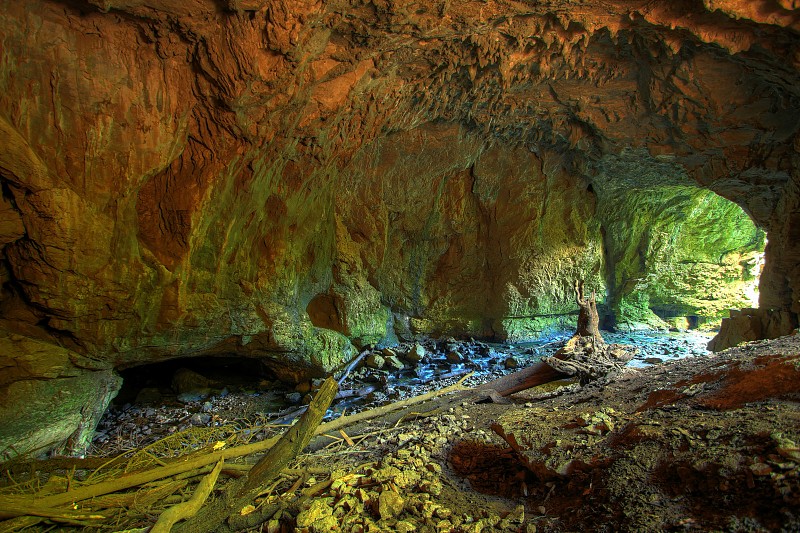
x=673, y=249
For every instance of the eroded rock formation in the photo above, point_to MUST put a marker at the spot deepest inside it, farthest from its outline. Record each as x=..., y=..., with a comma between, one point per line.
x=277, y=179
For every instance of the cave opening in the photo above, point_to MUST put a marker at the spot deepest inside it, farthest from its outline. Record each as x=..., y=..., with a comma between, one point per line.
x=676, y=254
x=192, y=378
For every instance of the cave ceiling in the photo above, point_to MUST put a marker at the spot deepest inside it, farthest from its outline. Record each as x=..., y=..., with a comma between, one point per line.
x=169, y=159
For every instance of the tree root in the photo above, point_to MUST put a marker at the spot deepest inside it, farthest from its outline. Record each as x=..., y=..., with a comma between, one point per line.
x=190, y=507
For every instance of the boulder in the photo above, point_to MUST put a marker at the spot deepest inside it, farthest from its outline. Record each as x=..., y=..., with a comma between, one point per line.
x=389, y=352
x=415, y=354
x=375, y=361
x=186, y=381
x=149, y=396
x=59, y=414
x=394, y=362
x=753, y=324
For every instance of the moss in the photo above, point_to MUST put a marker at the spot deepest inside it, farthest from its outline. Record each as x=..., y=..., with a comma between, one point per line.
x=633, y=312
x=523, y=329
x=673, y=247
x=55, y=414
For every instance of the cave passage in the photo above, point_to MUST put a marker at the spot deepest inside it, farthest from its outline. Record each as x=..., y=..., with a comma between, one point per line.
x=678, y=255
x=231, y=374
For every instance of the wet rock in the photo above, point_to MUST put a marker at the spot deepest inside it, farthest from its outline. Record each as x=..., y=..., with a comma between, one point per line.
x=510, y=362
x=394, y=363
x=653, y=360
x=415, y=354
x=200, y=419
x=375, y=361
x=294, y=397
x=388, y=352
x=454, y=356
x=189, y=397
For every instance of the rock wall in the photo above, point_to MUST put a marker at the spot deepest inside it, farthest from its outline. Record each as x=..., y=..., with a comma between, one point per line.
x=463, y=237
x=277, y=179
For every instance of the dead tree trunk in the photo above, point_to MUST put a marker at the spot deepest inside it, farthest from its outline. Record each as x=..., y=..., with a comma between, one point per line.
x=586, y=355
x=588, y=318
x=225, y=514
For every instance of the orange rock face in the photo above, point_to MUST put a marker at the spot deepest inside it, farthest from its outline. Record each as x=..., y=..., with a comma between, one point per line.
x=184, y=178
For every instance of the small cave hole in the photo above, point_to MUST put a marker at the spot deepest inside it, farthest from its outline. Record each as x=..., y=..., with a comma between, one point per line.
x=163, y=382
x=327, y=311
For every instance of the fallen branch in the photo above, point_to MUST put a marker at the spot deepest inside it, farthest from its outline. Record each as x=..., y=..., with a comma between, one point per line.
x=20, y=523
x=345, y=421
x=190, y=507
x=534, y=375
x=142, y=498
x=223, y=514
x=350, y=366
x=294, y=440
x=11, y=506
x=50, y=512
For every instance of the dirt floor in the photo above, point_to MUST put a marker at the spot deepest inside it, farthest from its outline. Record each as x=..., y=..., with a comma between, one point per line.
x=697, y=444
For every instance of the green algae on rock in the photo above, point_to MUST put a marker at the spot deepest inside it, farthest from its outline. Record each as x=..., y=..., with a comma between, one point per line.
x=672, y=247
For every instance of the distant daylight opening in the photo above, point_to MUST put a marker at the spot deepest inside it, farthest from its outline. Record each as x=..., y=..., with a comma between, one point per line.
x=692, y=259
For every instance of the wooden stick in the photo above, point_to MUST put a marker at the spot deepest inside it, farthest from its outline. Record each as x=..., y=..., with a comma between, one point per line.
x=20, y=523
x=350, y=366
x=49, y=512
x=294, y=440
x=11, y=506
x=345, y=421
x=190, y=507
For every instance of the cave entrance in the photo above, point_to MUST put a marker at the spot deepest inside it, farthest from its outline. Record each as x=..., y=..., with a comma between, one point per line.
x=681, y=255
x=673, y=249
x=708, y=263
x=163, y=382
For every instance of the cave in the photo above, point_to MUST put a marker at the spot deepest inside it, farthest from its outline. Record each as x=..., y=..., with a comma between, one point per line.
x=409, y=198
x=325, y=311
x=229, y=373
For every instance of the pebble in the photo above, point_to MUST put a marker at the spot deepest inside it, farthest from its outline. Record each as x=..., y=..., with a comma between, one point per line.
x=294, y=398
x=200, y=419
x=390, y=504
